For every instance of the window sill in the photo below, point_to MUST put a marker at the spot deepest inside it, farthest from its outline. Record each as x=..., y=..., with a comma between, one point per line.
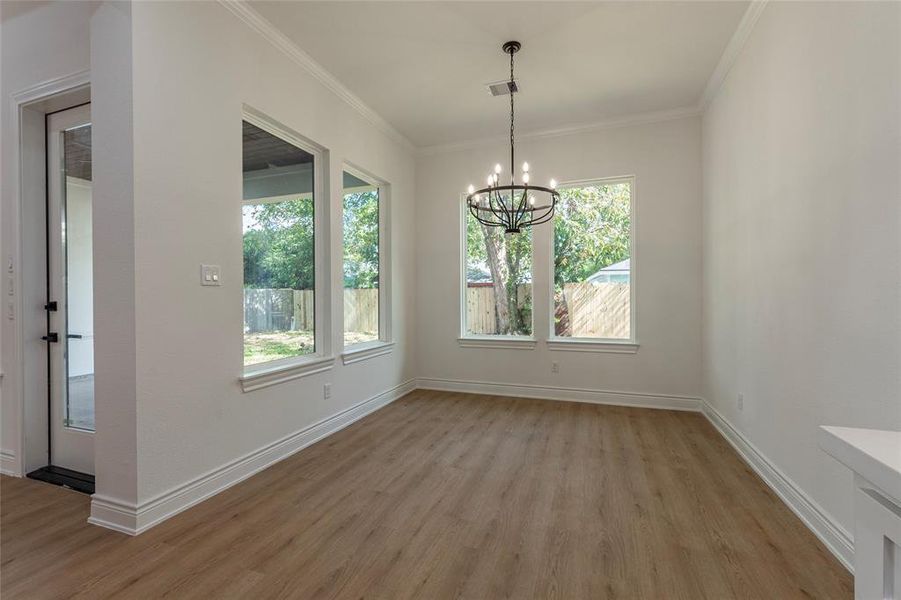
x=498, y=341
x=588, y=345
x=361, y=352
x=265, y=376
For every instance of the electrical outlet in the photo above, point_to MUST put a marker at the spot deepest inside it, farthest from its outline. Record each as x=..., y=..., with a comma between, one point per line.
x=741, y=401
x=555, y=367
x=327, y=391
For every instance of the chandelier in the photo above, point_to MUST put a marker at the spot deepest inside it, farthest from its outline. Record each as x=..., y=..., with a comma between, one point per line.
x=512, y=206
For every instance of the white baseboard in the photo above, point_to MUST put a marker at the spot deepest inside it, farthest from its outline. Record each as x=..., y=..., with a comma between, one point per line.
x=9, y=465
x=521, y=390
x=134, y=519
x=833, y=535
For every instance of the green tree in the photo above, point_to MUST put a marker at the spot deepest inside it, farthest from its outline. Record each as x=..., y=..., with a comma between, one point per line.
x=278, y=246
x=592, y=230
x=361, y=240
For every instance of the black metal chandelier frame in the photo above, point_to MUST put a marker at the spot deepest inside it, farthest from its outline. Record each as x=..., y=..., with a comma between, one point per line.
x=511, y=206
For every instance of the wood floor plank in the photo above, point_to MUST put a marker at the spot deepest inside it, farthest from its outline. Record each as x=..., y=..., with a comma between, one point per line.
x=449, y=495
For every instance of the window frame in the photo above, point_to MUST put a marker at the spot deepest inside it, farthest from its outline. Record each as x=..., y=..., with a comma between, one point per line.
x=273, y=372
x=468, y=340
x=590, y=344
x=385, y=343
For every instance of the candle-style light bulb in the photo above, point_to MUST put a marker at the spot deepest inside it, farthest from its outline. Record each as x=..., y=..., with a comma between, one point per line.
x=553, y=183
x=525, y=167
x=495, y=178
x=531, y=200
x=490, y=180
x=471, y=189
x=497, y=168
x=525, y=177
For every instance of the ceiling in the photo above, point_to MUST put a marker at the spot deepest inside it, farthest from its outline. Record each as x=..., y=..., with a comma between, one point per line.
x=423, y=66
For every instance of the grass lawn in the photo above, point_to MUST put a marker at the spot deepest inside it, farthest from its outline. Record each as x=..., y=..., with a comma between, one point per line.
x=273, y=345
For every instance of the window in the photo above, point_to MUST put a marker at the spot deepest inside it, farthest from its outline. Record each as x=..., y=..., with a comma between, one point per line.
x=279, y=247
x=592, y=261
x=498, y=293
x=362, y=261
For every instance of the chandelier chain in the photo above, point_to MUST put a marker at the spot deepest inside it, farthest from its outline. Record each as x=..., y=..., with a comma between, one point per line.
x=512, y=81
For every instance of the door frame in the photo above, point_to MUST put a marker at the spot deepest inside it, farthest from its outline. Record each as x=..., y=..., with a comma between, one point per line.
x=24, y=364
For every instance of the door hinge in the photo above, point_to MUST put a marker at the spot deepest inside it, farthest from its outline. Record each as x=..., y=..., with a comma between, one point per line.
x=51, y=337
x=51, y=306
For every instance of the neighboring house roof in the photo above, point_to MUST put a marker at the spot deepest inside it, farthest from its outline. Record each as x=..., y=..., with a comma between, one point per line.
x=620, y=268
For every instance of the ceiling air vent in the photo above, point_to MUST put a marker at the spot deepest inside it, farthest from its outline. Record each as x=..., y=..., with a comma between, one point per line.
x=503, y=88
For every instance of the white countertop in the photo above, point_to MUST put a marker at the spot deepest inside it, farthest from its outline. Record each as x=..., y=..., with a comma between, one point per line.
x=874, y=454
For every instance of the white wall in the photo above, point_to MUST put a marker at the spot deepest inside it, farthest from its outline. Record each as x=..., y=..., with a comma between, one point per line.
x=665, y=159
x=167, y=197
x=28, y=58
x=802, y=277
x=195, y=63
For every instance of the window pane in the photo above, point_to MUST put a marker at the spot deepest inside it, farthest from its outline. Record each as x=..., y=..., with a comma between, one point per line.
x=361, y=261
x=592, y=244
x=498, y=280
x=278, y=248
x=77, y=244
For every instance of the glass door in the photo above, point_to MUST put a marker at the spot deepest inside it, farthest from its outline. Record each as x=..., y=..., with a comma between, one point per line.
x=70, y=289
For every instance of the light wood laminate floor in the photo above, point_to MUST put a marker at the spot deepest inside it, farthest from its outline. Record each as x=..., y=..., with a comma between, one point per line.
x=448, y=495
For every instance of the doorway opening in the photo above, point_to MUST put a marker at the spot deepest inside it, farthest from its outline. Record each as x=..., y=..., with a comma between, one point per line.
x=69, y=303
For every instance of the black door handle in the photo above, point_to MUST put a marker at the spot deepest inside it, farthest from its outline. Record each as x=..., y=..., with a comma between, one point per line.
x=51, y=337
x=74, y=336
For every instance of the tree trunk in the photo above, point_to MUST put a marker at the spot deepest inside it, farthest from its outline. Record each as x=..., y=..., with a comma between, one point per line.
x=516, y=326
x=496, y=253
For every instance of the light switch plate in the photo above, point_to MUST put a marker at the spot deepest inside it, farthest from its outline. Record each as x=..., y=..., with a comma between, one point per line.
x=210, y=275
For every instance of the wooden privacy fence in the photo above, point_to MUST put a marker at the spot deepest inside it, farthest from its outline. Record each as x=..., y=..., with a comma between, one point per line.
x=590, y=309
x=361, y=310
x=481, y=314
x=597, y=309
x=286, y=309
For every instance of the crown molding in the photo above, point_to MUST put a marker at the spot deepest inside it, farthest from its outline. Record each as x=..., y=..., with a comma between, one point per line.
x=242, y=10
x=733, y=50
x=253, y=19
x=626, y=121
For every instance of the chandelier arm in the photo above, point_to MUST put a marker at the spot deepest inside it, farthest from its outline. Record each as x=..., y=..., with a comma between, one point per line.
x=499, y=210
x=507, y=208
x=521, y=210
x=490, y=206
x=482, y=220
x=547, y=216
x=538, y=218
x=496, y=207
